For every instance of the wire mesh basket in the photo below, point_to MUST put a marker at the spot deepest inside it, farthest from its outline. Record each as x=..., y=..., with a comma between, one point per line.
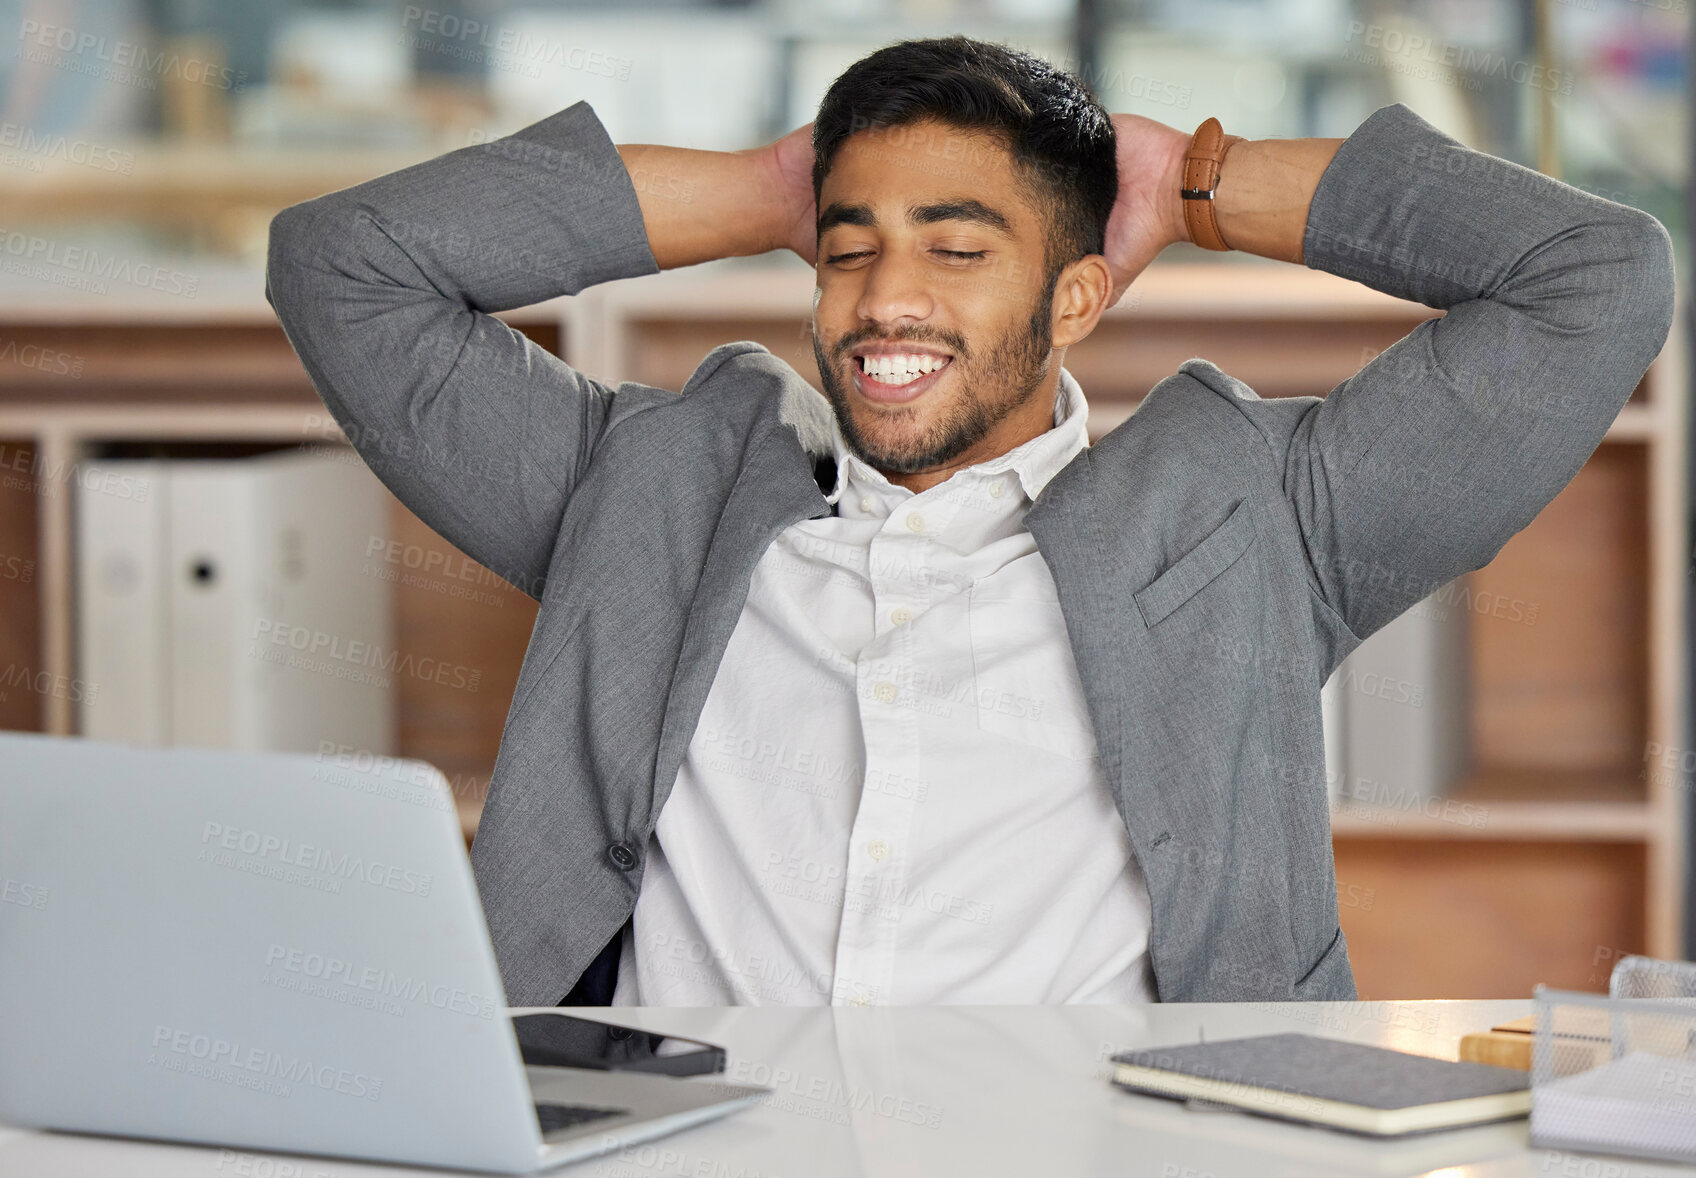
x=1650, y=977
x=1617, y=1073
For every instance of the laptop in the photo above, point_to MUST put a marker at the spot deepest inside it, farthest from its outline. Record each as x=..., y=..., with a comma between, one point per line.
x=276, y=951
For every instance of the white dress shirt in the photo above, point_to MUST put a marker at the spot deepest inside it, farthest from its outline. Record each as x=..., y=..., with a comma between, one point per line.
x=893, y=793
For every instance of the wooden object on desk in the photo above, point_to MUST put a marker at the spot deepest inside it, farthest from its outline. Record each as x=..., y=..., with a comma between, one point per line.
x=1506, y=1045
x=1581, y=1031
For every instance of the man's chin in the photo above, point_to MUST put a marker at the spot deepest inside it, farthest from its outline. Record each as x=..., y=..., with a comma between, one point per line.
x=891, y=449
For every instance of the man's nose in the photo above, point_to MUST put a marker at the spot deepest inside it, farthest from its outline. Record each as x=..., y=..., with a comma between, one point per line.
x=896, y=288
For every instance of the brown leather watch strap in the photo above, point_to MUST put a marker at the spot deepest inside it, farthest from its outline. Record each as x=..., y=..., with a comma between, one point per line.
x=1201, y=178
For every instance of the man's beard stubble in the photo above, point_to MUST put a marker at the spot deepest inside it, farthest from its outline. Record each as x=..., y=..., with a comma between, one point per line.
x=1021, y=357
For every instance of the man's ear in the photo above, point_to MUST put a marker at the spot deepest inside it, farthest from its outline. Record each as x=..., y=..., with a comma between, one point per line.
x=1080, y=296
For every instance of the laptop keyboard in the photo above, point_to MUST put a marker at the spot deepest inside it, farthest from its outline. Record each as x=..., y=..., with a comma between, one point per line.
x=555, y=1118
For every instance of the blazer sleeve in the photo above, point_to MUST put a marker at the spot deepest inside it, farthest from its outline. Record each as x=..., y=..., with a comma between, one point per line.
x=386, y=292
x=1422, y=465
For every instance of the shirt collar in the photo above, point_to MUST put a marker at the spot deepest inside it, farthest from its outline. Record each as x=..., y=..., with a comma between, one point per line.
x=1035, y=461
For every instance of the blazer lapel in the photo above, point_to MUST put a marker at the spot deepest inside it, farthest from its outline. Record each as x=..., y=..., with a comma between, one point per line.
x=775, y=489
x=1108, y=641
x=1066, y=525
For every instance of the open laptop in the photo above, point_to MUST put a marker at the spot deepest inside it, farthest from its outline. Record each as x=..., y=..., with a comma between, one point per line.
x=275, y=951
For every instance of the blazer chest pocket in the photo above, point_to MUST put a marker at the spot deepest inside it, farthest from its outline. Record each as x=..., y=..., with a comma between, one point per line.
x=1197, y=567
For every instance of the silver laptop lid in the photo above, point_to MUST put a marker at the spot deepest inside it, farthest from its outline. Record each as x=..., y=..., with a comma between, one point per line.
x=159, y=905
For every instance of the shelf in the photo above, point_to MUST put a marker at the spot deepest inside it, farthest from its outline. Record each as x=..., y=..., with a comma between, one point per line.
x=259, y=422
x=1520, y=805
x=1530, y=868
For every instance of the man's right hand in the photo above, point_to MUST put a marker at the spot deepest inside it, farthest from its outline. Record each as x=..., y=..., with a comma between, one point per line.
x=698, y=206
x=791, y=161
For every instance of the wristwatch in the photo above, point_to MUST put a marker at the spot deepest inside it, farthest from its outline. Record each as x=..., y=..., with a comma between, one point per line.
x=1201, y=178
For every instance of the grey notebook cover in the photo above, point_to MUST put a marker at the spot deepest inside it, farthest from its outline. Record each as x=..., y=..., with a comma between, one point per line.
x=1329, y=1069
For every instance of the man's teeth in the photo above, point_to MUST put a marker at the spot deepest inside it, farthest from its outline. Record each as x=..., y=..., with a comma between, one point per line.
x=899, y=370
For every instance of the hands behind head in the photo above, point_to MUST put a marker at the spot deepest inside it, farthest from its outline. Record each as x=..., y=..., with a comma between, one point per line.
x=1147, y=217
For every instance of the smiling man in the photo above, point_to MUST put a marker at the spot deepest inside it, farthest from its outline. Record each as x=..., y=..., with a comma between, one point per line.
x=906, y=692
x=899, y=241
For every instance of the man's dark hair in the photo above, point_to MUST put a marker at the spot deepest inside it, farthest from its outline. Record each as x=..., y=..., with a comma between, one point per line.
x=1059, y=136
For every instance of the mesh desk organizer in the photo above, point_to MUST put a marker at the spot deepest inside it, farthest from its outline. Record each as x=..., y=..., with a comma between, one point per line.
x=1616, y=1073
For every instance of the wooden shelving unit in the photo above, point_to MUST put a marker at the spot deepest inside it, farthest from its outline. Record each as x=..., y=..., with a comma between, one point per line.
x=1579, y=857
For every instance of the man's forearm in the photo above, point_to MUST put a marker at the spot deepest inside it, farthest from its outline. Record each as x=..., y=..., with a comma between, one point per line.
x=699, y=206
x=1262, y=197
x=1265, y=188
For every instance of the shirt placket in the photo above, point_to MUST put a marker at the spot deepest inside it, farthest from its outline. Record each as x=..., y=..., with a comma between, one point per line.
x=901, y=569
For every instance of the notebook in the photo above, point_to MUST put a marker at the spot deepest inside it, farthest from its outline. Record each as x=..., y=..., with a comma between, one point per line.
x=1328, y=1082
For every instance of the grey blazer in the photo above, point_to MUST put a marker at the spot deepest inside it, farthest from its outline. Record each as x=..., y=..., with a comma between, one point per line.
x=1216, y=555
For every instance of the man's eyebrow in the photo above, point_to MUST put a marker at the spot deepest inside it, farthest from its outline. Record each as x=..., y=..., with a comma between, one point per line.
x=837, y=213
x=959, y=209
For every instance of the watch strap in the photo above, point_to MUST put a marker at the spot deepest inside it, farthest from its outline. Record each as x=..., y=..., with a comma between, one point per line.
x=1201, y=179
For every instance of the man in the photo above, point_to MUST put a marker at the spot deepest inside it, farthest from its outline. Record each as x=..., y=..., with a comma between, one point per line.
x=905, y=693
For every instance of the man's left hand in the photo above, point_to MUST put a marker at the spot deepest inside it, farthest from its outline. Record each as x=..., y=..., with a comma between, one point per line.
x=1148, y=216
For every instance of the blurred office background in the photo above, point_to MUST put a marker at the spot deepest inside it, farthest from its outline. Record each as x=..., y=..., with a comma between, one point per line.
x=189, y=552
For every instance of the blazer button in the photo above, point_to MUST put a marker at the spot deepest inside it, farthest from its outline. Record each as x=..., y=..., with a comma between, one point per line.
x=622, y=856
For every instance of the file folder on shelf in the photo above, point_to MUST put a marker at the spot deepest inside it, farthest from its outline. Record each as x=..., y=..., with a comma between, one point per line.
x=222, y=603
x=1396, y=710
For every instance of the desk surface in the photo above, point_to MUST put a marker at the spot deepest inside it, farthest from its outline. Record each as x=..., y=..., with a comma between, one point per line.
x=983, y=1091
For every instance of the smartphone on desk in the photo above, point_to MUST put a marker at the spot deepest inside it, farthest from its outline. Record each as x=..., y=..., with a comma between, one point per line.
x=566, y=1041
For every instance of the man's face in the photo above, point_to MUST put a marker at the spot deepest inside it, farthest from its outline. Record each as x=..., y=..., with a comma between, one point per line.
x=932, y=319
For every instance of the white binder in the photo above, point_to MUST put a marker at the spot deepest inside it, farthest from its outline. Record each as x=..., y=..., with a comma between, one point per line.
x=1336, y=736
x=123, y=622
x=1402, y=699
x=228, y=607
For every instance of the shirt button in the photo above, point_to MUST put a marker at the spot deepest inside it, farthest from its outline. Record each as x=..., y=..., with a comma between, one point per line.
x=884, y=692
x=900, y=616
x=622, y=856
x=995, y=490
x=867, y=503
x=877, y=849
x=915, y=522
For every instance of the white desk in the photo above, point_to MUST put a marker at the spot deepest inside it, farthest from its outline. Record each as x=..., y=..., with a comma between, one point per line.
x=979, y=1091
